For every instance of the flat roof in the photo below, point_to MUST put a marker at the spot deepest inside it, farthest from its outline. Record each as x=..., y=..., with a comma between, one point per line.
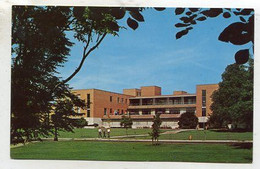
x=102, y=91
x=207, y=84
x=151, y=86
x=132, y=89
x=163, y=96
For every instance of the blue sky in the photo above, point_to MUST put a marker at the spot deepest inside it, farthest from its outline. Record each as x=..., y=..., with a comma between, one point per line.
x=151, y=55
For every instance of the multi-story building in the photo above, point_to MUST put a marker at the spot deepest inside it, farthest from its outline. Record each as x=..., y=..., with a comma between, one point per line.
x=106, y=108
x=101, y=103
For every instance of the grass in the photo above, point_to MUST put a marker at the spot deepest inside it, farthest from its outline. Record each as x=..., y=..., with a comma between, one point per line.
x=93, y=133
x=80, y=150
x=206, y=135
x=196, y=134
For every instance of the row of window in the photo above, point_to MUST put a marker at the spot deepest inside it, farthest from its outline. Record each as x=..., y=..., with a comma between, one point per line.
x=87, y=101
x=88, y=111
x=119, y=100
x=116, y=112
x=204, y=103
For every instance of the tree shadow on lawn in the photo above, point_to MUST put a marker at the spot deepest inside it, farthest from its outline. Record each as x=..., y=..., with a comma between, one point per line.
x=231, y=131
x=243, y=145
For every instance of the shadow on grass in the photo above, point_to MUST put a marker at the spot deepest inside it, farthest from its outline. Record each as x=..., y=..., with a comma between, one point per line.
x=249, y=159
x=243, y=145
x=231, y=131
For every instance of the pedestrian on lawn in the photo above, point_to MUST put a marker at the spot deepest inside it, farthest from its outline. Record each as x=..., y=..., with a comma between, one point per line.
x=99, y=133
x=108, y=132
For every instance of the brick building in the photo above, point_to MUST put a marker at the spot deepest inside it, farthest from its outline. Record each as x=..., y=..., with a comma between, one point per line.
x=101, y=103
x=106, y=108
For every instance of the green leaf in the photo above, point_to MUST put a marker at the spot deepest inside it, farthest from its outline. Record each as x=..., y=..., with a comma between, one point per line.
x=137, y=16
x=132, y=23
x=78, y=11
x=159, y=9
x=188, y=13
x=114, y=26
x=212, y=12
x=179, y=11
x=181, y=25
x=226, y=15
x=242, y=19
x=236, y=33
x=181, y=33
x=242, y=56
x=193, y=9
x=201, y=18
x=118, y=13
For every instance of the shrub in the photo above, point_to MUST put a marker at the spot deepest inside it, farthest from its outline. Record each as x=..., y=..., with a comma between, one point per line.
x=80, y=123
x=188, y=121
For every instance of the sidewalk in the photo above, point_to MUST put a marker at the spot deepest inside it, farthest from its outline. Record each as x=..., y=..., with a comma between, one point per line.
x=149, y=140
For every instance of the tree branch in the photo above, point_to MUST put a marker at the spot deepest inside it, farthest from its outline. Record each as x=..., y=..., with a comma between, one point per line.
x=85, y=55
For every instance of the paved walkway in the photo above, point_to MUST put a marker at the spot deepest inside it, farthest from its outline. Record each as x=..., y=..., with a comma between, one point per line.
x=149, y=140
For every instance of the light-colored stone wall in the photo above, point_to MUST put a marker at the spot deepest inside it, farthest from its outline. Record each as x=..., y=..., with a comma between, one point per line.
x=172, y=124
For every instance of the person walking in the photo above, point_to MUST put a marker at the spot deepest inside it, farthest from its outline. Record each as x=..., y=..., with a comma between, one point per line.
x=104, y=132
x=99, y=133
x=108, y=132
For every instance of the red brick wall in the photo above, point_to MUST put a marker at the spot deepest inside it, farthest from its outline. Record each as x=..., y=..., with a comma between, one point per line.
x=150, y=91
x=209, y=90
x=131, y=92
x=101, y=99
x=179, y=92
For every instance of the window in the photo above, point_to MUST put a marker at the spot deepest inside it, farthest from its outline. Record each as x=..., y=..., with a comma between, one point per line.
x=122, y=100
x=88, y=100
x=118, y=100
x=203, y=111
x=110, y=111
x=105, y=111
x=88, y=113
x=203, y=98
x=175, y=111
x=138, y=94
x=78, y=110
x=111, y=99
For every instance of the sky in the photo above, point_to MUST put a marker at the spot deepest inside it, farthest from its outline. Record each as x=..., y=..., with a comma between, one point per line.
x=151, y=55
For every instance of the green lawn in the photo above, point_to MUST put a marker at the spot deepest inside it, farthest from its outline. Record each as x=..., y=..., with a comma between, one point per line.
x=83, y=150
x=207, y=135
x=93, y=133
x=196, y=134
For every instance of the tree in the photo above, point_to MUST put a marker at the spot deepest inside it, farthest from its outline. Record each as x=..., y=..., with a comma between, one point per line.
x=233, y=101
x=34, y=69
x=188, y=120
x=237, y=33
x=63, y=109
x=126, y=122
x=156, y=129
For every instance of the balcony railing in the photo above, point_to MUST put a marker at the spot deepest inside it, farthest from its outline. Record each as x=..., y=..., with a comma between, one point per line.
x=162, y=103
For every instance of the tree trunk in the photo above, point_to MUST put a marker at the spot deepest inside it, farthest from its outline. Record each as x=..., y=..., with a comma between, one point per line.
x=55, y=134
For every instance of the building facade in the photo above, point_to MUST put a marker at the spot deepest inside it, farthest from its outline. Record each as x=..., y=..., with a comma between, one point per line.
x=106, y=108
x=101, y=103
